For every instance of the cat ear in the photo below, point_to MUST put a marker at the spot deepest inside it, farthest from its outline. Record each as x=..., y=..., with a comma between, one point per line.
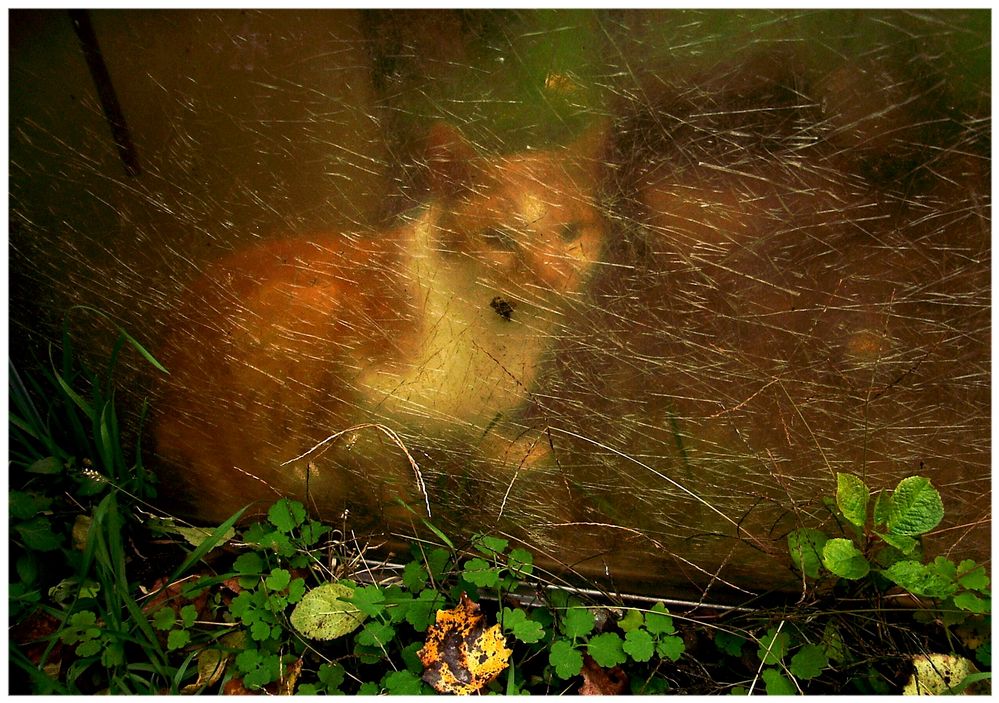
x=586, y=157
x=450, y=160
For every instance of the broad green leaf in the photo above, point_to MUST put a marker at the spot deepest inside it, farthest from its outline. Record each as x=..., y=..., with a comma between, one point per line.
x=777, y=684
x=577, y=622
x=842, y=558
x=37, y=534
x=632, y=620
x=805, y=546
x=278, y=580
x=522, y=627
x=638, y=644
x=402, y=683
x=903, y=543
x=972, y=603
x=916, y=507
x=658, y=620
x=607, y=650
x=324, y=613
x=972, y=577
x=852, y=495
x=286, y=515
x=773, y=646
x=481, y=573
x=882, y=508
x=809, y=661
x=670, y=647
x=177, y=639
x=376, y=634
x=491, y=546
x=521, y=562
x=248, y=563
x=414, y=576
x=567, y=661
x=729, y=643
x=919, y=579
x=196, y=535
x=164, y=618
x=48, y=465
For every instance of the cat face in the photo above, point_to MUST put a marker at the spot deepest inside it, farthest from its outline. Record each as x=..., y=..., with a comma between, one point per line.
x=529, y=222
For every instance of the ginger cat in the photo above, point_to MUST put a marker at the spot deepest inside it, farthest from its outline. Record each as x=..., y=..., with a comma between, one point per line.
x=435, y=330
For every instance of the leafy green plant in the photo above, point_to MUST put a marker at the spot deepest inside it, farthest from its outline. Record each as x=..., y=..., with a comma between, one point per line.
x=885, y=541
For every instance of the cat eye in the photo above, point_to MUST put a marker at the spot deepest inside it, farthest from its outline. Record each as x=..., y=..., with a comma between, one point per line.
x=570, y=231
x=501, y=238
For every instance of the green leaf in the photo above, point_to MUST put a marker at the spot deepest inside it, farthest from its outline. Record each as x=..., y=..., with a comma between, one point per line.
x=882, y=507
x=577, y=622
x=638, y=645
x=370, y=600
x=809, y=661
x=178, y=639
x=296, y=590
x=972, y=577
x=522, y=627
x=188, y=615
x=331, y=675
x=670, y=647
x=916, y=507
x=260, y=630
x=26, y=505
x=607, y=650
x=402, y=683
x=437, y=562
x=369, y=688
x=491, y=546
x=312, y=532
x=833, y=644
x=248, y=563
x=286, y=515
x=777, y=684
x=324, y=613
x=37, y=534
x=842, y=558
x=658, y=620
x=972, y=603
x=422, y=610
x=805, y=546
x=632, y=620
x=278, y=580
x=414, y=576
x=919, y=579
x=49, y=465
x=164, y=618
x=773, y=646
x=88, y=648
x=376, y=634
x=521, y=562
x=410, y=657
x=729, y=643
x=903, y=543
x=852, y=495
x=567, y=661
x=481, y=573
x=195, y=536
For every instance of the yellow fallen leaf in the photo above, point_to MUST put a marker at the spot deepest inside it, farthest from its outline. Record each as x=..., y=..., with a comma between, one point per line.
x=461, y=655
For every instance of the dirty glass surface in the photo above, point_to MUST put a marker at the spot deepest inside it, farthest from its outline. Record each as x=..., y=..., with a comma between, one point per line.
x=627, y=286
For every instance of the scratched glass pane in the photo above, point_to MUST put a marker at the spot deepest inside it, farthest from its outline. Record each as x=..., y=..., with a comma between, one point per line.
x=629, y=287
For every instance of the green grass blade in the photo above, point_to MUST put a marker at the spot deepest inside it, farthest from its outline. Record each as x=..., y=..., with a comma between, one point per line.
x=129, y=338
x=210, y=543
x=77, y=399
